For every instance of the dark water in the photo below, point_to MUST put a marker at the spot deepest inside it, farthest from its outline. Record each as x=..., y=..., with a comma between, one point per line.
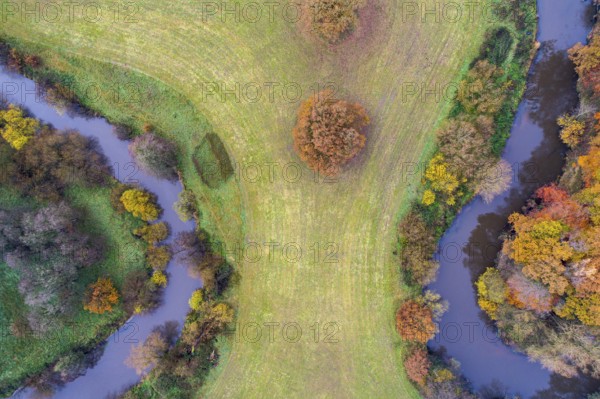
x=471, y=244
x=110, y=374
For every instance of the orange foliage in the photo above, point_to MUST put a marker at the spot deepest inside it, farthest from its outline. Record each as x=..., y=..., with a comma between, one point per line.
x=415, y=322
x=417, y=366
x=102, y=295
x=328, y=132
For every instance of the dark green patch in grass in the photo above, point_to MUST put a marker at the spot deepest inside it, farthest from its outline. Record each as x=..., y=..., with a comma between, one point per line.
x=212, y=161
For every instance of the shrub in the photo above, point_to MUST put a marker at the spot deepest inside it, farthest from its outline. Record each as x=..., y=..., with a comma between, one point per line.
x=159, y=279
x=101, y=296
x=417, y=366
x=153, y=233
x=52, y=161
x=185, y=205
x=328, y=132
x=483, y=92
x=497, y=46
x=153, y=349
x=140, y=204
x=123, y=132
x=493, y=181
x=415, y=322
x=139, y=293
x=15, y=128
x=571, y=130
x=155, y=154
x=196, y=300
x=158, y=257
x=332, y=20
x=417, y=244
x=212, y=161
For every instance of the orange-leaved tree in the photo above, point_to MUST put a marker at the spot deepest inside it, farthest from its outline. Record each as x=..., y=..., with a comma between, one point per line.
x=328, y=132
x=414, y=322
x=101, y=296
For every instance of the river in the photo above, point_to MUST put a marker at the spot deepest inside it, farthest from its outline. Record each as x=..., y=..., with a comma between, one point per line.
x=110, y=374
x=472, y=242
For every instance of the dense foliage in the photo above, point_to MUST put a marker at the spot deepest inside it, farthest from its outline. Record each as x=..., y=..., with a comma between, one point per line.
x=51, y=161
x=48, y=249
x=15, y=128
x=328, y=132
x=101, y=296
x=141, y=204
x=155, y=155
x=332, y=20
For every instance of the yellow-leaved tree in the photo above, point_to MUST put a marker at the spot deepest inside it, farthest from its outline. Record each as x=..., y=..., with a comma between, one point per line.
x=16, y=129
x=140, y=204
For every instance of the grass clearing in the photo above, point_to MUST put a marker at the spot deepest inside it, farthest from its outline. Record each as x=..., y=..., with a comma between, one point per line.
x=171, y=54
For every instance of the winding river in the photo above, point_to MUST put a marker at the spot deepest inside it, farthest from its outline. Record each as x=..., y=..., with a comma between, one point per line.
x=468, y=247
x=110, y=374
x=471, y=244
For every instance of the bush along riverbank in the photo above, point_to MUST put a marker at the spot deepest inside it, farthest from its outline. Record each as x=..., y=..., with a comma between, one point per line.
x=466, y=164
x=544, y=291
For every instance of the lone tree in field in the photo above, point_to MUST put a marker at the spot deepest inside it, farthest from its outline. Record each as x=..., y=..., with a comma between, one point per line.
x=328, y=132
x=333, y=20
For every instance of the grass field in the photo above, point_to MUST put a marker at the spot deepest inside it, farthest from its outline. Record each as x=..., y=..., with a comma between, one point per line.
x=173, y=49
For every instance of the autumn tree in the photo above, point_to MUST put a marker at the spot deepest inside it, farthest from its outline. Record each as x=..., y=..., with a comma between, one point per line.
x=538, y=246
x=153, y=233
x=206, y=323
x=185, y=205
x=101, y=296
x=491, y=291
x=414, y=322
x=154, y=348
x=417, y=365
x=52, y=161
x=328, y=132
x=15, y=128
x=483, y=91
x=572, y=130
x=332, y=20
x=196, y=300
x=493, y=180
x=441, y=181
x=587, y=64
x=155, y=154
x=526, y=293
x=158, y=257
x=417, y=246
x=141, y=204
